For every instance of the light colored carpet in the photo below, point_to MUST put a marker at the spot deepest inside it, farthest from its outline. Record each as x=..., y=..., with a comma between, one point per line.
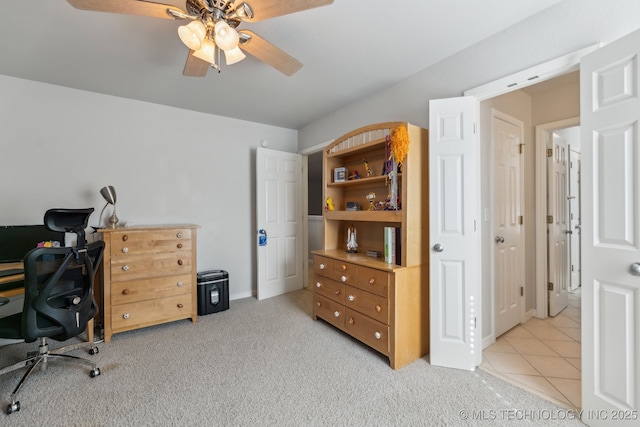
x=261, y=363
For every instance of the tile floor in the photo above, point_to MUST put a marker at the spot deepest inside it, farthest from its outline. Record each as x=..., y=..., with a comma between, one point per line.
x=542, y=356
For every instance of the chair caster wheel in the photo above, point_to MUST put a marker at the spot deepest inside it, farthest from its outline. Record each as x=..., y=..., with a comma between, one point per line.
x=13, y=407
x=94, y=372
x=94, y=350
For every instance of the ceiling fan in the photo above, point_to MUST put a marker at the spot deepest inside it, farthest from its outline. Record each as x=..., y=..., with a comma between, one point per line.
x=213, y=28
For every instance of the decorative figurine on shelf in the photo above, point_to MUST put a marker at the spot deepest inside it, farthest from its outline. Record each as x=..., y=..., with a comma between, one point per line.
x=354, y=175
x=329, y=205
x=352, y=246
x=393, y=188
x=366, y=167
x=371, y=197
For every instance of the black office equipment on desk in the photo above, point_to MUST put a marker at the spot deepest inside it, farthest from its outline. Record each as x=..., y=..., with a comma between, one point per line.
x=17, y=240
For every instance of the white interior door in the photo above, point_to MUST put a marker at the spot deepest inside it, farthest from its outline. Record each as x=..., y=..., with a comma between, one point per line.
x=454, y=257
x=508, y=260
x=574, y=218
x=279, y=221
x=610, y=116
x=558, y=240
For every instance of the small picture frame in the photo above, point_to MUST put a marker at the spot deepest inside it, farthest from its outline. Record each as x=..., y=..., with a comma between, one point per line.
x=339, y=174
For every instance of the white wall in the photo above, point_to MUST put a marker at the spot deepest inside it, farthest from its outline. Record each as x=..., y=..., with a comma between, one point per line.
x=564, y=28
x=59, y=146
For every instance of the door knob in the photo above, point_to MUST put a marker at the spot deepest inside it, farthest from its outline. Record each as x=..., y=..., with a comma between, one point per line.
x=438, y=247
x=499, y=239
x=635, y=269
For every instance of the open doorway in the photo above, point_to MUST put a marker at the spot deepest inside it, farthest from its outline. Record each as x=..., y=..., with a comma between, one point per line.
x=313, y=206
x=541, y=353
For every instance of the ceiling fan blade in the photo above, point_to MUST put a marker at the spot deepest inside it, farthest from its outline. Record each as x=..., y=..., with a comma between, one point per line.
x=195, y=67
x=129, y=7
x=265, y=9
x=256, y=46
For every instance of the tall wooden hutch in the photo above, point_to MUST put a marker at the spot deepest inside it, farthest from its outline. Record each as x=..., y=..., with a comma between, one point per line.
x=384, y=305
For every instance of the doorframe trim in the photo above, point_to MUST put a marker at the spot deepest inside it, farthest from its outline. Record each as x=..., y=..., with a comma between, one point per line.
x=305, y=204
x=542, y=140
x=531, y=76
x=544, y=71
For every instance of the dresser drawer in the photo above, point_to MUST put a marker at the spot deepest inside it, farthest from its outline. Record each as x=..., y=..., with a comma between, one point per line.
x=145, y=289
x=328, y=288
x=369, y=304
x=125, y=242
x=144, y=313
x=323, y=266
x=376, y=281
x=346, y=278
x=331, y=311
x=148, y=266
x=367, y=330
x=341, y=267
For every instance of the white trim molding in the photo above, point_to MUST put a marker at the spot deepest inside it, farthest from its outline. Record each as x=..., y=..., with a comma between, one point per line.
x=545, y=71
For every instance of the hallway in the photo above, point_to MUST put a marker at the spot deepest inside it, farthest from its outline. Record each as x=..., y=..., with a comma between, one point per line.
x=542, y=356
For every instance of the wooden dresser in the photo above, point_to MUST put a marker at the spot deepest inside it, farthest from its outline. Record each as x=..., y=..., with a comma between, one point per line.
x=149, y=276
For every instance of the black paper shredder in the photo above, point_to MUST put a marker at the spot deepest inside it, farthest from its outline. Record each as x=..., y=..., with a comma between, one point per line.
x=213, y=291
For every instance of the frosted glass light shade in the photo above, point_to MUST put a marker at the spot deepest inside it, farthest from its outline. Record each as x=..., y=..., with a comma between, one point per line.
x=234, y=55
x=227, y=38
x=192, y=34
x=207, y=52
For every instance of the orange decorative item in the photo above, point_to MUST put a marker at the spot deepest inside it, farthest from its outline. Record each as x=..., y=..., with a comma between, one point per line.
x=399, y=143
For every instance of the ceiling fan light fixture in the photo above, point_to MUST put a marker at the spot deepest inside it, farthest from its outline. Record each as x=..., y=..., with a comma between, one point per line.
x=207, y=52
x=192, y=34
x=226, y=37
x=234, y=55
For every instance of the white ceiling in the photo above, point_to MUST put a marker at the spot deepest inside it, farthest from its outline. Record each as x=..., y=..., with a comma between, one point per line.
x=349, y=49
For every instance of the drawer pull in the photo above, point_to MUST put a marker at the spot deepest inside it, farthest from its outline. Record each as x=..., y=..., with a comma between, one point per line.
x=378, y=308
x=179, y=262
x=344, y=267
x=179, y=245
x=352, y=298
x=318, y=284
x=337, y=292
x=321, y=266
x=125, y=292
x=372, y=281
x=180, y=306
x=179, y=235
x=351, y=321
x=377, y=335
x=336, y=314
x=125, y=238
x=125, y=316
x=343, y=278
x=319, y=304
x=125, y=268
x=125, y=250
x=180, y=284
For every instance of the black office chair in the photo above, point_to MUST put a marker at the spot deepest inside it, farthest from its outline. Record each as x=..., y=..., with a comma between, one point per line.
x=58, y=297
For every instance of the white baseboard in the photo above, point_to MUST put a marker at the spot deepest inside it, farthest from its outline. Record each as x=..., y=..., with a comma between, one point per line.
x=487, y=341
x=529, y=315
x=241, y=295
